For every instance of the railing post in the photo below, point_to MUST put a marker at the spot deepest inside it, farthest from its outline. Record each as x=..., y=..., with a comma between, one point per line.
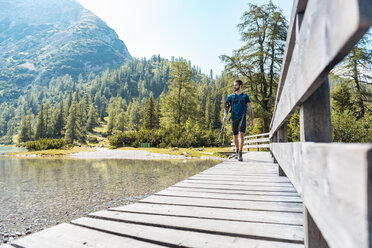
x=315, y=126
x=315, y=116
x=282, y=138
x=274, y=140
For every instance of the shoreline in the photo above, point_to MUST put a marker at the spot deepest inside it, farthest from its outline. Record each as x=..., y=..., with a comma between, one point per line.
x=123, y=153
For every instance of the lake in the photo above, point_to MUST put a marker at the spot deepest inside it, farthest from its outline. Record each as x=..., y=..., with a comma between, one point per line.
x=39, y=193
x=8, y=149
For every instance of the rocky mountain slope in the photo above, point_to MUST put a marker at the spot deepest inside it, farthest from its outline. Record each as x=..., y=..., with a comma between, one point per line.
x=41, y=39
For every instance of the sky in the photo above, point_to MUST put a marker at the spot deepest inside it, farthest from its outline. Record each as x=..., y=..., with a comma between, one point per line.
x=197, y=30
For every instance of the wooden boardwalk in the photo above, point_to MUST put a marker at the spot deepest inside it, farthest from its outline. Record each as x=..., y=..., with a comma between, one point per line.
x=233, y=204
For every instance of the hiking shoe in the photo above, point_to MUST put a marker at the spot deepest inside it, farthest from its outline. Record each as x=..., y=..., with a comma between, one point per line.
x=240, y=157
x=237, y=154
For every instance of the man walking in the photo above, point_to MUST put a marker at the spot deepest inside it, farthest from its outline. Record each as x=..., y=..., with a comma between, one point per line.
x=239, y=102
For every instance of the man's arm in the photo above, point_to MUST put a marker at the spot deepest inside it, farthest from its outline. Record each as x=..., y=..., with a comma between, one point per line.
x=250, y=112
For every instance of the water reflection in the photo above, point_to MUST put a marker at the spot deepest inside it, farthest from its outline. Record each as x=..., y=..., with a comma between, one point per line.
x=42, y=192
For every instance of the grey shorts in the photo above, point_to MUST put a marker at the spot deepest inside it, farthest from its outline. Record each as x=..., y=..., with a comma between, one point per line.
x=238, y=125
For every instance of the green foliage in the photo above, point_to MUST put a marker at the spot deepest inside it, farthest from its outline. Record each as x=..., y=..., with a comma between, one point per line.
x=356, y=67
x=180, y=102
x=40, y=130
x=59, y=120
x=92, y=119
x=189, y=136
x=73, y=128
x=347, y=128
x=293, y=131
x=341, y=97
x=45, y=144
x=25, y=131
x=150, y=115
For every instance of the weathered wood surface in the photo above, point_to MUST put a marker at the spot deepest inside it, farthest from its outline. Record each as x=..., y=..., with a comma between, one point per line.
x=246, y=205
x=258, y=141
x=179, y=238
x=247, y=141
x=73, y=236
x=328, y=32
x=333, y=182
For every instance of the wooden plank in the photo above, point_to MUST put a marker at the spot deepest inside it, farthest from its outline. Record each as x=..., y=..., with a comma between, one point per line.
x=252, y=181
x=179, y=238
x=328, y=32
x=250, y=205
x=278, y=232
x=257, y=146
x=168, y=192
x=67, y=235
x=256, y=135
x=236, y=187
x=229, y=191
x=215, y=213
x=275, y=184
x=6, y=246
x=250, y=175
x=238, y=179
x=335, y=175
x=257, y=169
x=261, y=140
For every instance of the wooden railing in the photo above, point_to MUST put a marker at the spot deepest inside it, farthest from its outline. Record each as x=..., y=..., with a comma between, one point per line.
x=256, y=142
x=334, y=180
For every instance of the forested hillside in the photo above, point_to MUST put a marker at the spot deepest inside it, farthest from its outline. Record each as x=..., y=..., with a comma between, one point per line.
x=115, y=98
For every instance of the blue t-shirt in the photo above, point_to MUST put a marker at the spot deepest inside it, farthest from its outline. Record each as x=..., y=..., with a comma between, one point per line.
x=239, y=107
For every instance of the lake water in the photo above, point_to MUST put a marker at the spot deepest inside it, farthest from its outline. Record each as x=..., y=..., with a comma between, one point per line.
x=8, y=149
x=39, y=193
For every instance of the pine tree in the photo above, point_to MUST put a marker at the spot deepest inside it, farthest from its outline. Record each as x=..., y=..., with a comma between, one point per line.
x=23, y=131
x=180, y=101
x=59, y=121
x=68, y=104
x=111, y=121
x=121, y=121
x=207, y=116
x=49, y=127
x=92, y=118
x=134, y=115
x=40, y=130
x=73, y=125
x=149, y=115
x=341, y=98
x=356, y=66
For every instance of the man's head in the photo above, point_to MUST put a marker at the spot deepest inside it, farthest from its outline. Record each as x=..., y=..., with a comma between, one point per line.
x=238, y=84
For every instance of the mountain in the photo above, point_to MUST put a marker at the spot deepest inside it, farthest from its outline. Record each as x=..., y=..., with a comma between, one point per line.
x=41, y=39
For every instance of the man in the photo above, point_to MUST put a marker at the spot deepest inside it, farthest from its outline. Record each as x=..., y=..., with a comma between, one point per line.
x=239, y=103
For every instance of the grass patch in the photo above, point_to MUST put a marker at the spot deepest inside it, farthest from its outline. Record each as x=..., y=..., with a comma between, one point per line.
x=188, y=152
x=51, y=152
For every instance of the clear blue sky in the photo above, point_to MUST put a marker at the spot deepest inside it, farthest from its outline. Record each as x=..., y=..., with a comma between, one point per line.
x=197, y=30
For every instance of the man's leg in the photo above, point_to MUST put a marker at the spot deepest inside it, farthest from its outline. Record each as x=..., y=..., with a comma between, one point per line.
x=236, y=142
x=241, y=141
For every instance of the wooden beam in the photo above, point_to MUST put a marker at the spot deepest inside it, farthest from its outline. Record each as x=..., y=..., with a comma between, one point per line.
x=315, y=116
x=328, y=32
x=297, y=7
x=332, y=180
